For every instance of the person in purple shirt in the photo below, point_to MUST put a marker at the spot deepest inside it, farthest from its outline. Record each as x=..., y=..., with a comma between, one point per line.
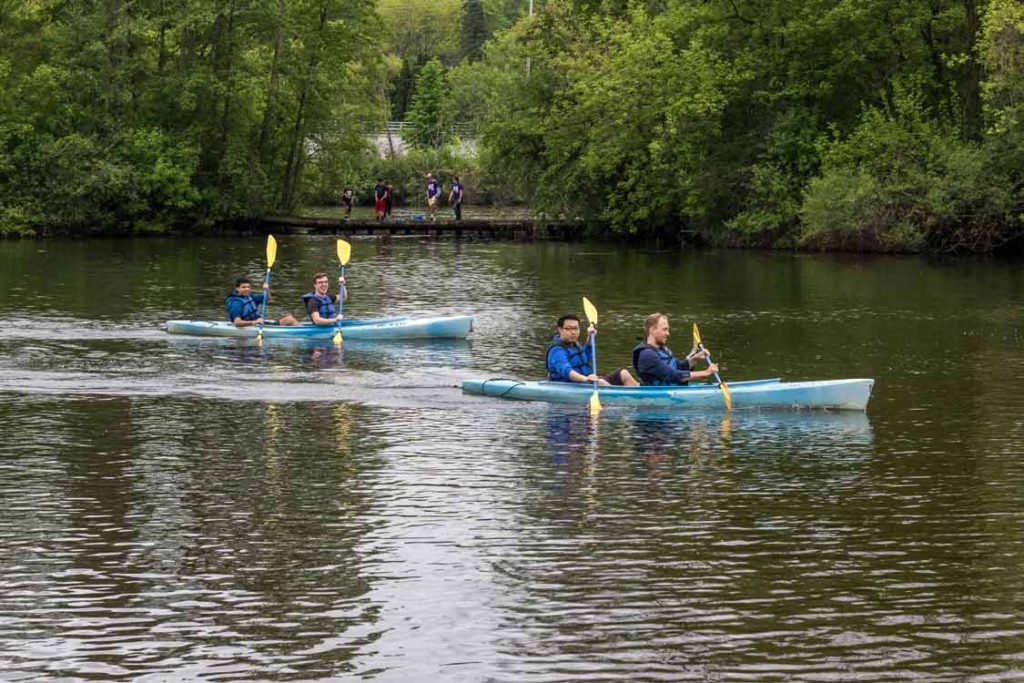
x=655, y=365
x=433, y=193
x=455, y=197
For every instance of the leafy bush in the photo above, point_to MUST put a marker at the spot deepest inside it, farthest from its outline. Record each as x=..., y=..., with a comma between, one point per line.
x=903, y=181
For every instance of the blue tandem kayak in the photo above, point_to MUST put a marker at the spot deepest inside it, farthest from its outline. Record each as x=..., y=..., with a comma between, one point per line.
x=839, y=394
x=448, y=327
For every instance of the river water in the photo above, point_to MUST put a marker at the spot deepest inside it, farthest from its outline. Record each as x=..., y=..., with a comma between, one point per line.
x=180, y=508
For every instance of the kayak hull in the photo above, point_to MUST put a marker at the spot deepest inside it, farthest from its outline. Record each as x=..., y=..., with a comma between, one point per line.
x=840, y=394
x=449, y=327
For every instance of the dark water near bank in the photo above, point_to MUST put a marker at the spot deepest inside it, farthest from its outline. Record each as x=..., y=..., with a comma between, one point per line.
x=176, y=508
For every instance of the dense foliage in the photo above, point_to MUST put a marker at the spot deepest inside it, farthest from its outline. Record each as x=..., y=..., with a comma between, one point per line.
x=824, y=123
x=118, y=116
x=849, y=124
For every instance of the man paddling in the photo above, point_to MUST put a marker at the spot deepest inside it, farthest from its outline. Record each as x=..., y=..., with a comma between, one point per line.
x=655, y=365
x=243, y=307
x=321, y=306
x=570, y=361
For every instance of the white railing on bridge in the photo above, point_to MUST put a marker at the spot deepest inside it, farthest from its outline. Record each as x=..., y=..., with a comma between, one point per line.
x=390, y=140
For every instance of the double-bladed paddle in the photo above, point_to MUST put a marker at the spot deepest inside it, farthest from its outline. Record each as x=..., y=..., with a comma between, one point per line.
x=344, y=252
x=725, y=390
x=271, y=257
x=591, y=311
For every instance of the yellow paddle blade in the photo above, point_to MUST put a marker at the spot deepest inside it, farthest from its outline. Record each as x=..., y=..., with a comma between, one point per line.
x=271, y=251
x=259, y=338
x=696, y=335
x=591, y=312
x=344, y=251
x=727, y=395
x=337, y=338
x=595, y=404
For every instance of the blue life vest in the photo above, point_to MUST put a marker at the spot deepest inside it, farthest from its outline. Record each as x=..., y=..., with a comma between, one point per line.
x=664, y=355
x=247, y=307
x=326, y=304
x=577, y=358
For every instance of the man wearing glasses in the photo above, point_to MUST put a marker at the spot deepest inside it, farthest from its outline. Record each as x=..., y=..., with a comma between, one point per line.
x=570, y=361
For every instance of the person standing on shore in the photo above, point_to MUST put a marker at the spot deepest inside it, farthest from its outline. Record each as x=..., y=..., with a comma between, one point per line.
x=390, y=198
x=456, y=196
x=348, y=197
x=433, y=192
x=380, y=199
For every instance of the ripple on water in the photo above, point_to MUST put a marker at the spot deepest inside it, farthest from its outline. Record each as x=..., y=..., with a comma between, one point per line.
x=190, y=509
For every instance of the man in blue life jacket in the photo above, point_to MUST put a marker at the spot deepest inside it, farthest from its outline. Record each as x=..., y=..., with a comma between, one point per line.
x=570, y=361
x=321, y=306
x=243, y=307
x=655, y=365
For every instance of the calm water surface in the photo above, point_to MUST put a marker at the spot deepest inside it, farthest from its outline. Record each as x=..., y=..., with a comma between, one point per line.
x=180, y=508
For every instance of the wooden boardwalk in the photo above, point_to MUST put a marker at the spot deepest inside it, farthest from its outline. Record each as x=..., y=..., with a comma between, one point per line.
x=498, y=229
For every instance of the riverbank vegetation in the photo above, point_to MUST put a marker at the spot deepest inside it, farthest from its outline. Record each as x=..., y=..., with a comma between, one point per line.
x=823, y=124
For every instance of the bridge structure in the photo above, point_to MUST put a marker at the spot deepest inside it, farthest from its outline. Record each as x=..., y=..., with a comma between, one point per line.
x=415, y=225
x=392, y=140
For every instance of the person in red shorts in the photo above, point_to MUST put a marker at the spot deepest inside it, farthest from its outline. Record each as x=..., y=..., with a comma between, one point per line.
x=380, y=199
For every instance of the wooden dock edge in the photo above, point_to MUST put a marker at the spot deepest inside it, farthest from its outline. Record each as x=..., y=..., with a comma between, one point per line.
x=495, y=229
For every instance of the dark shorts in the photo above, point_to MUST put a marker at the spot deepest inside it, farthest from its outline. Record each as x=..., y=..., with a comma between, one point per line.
x=346, y=202
x=614, y=377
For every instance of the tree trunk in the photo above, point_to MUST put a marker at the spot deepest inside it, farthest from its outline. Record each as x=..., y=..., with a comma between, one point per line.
x=293, y=166
x=225, y=124
x=275, y=79
x=294, y=150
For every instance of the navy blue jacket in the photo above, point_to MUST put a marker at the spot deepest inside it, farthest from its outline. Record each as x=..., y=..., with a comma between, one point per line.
x=658, y=367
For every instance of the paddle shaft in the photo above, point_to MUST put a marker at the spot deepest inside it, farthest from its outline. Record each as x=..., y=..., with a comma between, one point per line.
x=341, y=294
x=593, y=357
x=266, y=295
x=707, y=357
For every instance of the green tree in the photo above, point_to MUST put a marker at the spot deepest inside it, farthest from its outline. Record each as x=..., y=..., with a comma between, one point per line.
x=905, y=181
x=1002, y=51
x=146, y=116
x=474, y=30
x=417, y=32
x=431, y=110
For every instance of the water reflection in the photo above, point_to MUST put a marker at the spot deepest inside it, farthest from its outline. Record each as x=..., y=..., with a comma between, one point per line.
x=663, y=444
x=179, y=508
x=326, y=355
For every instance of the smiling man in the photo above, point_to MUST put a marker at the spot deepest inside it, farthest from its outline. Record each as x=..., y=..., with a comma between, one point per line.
x=570, y=361
x=321, y=306
x=243, y=307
